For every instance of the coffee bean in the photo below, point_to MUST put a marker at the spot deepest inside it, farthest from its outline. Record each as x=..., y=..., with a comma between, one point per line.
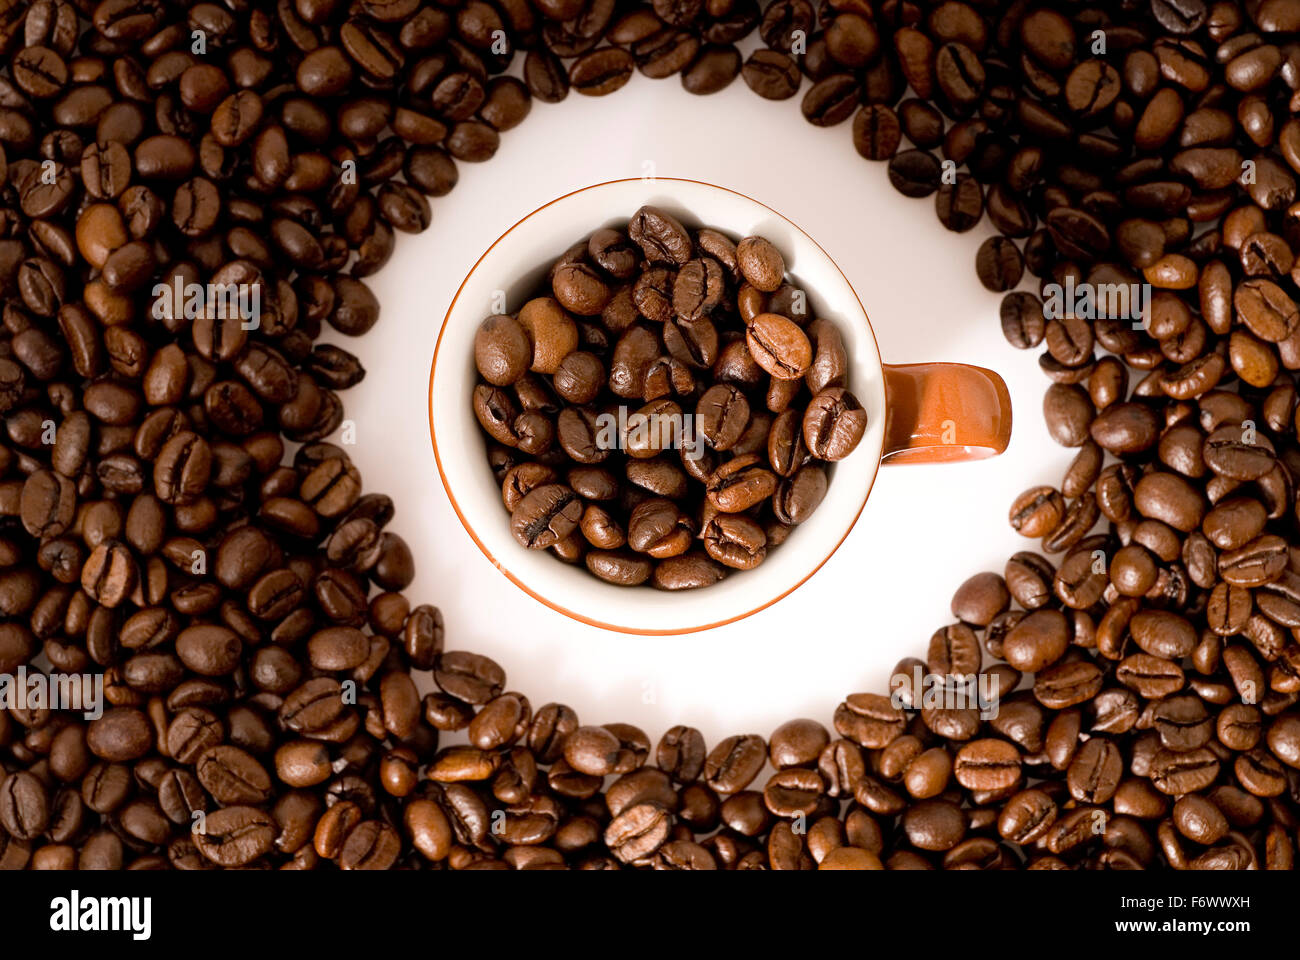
x=713, y=70
x=637, y=832
x=209, y=650
x=1181, y=773
x=999, y=264
x=740, y=484
x=121, y=734
x=1037, y=641
x=1069, y=413
x=1182, y=723
x=876, y=133
x=960, y=77
x=779, y=346
x=24, y=806
x=1037, y=512
x=47, y=504
x=772, y=74
x=833, y=424
x=797, y=497
x=960, y=205
x=1023, y=323
x=1266, y=309
x=687, y=572
x=164, y=448
x=601, y=71
x=232, y=775
x=371, y=845
x=546, y=77
x=722, y=415
x=987, y=765
x=502, y=352
x=235, y=836
x=1179, y=16
x=914, y=173
x=302, y=764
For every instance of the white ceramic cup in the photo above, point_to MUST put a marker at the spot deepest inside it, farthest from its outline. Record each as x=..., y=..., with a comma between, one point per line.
x=915, y=413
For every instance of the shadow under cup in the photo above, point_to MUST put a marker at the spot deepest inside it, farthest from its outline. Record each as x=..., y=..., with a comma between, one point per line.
x=461, y=446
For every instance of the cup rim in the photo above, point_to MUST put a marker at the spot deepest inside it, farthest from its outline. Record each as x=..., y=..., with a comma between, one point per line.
x=516, y=580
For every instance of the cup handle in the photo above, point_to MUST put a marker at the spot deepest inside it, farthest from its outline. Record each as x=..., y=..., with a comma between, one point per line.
x=944, y=413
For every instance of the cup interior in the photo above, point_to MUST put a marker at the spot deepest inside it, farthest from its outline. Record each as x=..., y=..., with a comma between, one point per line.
x=511, y=269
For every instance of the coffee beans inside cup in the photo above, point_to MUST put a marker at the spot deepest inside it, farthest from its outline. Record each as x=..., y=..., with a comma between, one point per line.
x=665, y=408
x=227, y=168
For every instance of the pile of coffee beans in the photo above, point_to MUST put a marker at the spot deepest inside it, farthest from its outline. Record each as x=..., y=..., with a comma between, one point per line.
x=741, y=405
x=173, y=521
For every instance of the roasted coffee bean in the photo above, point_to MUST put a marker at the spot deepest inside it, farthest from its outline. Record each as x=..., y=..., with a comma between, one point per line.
x=714, y=69
x=772, y=74
x=831, y=101
x=687, y=572
x=761, y=264
x=735, y=541
x=546, y=515
x=833, y=424
x=232, y=775
x=24, y=806
x=160, y=169
x=235, y=836
x=1069, y=414
x=999, y=264
x=987, y=765
x=959, y=205
x=601, y=71
x=876, y=131
x=1022, y=320
x=740, y=485
x=914, y=173
x=779, y=346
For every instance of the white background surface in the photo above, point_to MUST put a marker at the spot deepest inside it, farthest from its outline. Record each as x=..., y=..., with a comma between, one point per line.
x=925, y=528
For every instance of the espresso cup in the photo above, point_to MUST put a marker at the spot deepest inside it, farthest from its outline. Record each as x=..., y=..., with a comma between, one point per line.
x=916, y=412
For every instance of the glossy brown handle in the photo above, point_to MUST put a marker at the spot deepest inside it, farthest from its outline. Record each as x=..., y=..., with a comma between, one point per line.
x=944, y=413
